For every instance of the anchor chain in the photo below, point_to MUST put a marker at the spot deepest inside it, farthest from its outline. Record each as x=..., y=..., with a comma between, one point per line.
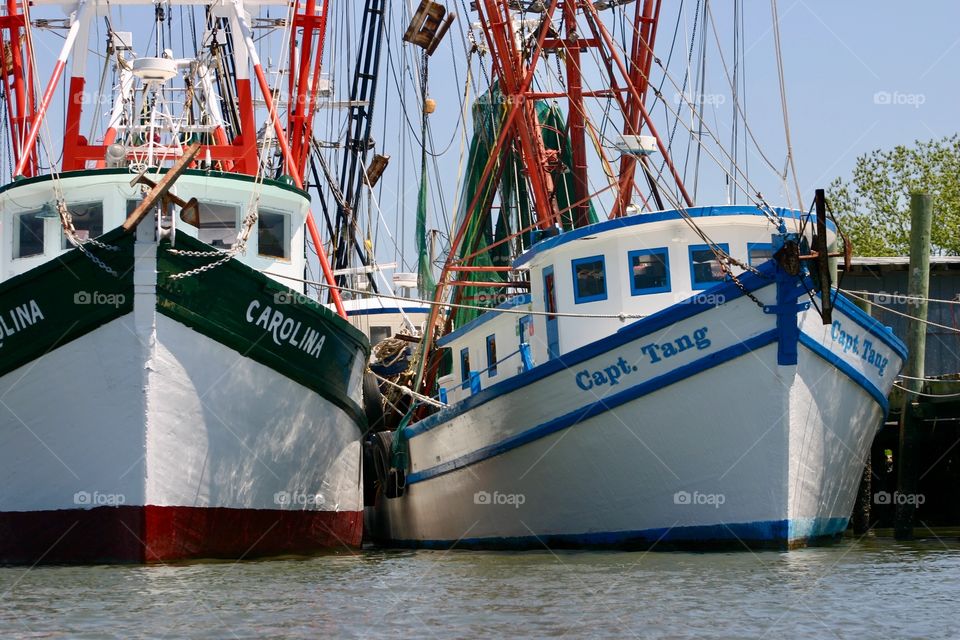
x=66, y=221
x=224, y=256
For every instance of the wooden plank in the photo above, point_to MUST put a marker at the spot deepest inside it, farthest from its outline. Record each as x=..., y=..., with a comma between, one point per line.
x=161, y=188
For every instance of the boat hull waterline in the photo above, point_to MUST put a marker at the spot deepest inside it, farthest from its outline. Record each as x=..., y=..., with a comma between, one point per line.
x=709, y=424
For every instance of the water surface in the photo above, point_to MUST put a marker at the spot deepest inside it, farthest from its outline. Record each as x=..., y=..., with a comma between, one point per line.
x=873, y=588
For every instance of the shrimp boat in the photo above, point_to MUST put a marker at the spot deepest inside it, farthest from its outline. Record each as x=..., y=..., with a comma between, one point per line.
x=166, y=395
x=676, y=375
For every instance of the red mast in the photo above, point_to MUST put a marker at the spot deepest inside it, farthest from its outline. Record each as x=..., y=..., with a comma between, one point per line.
x=18, y=81
x=306, y=52
x=514, y=66
x=239, y=154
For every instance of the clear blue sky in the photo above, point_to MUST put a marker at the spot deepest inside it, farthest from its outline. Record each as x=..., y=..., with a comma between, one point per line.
x=839, y=55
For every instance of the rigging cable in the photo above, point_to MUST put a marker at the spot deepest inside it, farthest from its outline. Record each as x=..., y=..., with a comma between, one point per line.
x=783, y=96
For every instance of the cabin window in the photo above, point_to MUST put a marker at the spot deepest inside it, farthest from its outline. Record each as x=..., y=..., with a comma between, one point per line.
x=28, y=235
x=649, y=271
x=218, y=224
x=446, y=362
x=589, y=279
x=549, y=291
x=492, y=355
x=87, y=220
x=705, y=269
x=525, y=328
x=378, y=334
x=464, y=365
x=273, y=234
x=759, y=252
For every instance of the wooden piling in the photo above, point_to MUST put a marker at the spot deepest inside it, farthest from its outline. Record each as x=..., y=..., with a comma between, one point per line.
x=918, y=289
x=864, y=502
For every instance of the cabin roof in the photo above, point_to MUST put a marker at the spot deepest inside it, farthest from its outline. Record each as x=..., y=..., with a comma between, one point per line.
x=486, y=316
x=646, y=218
x=153, y=171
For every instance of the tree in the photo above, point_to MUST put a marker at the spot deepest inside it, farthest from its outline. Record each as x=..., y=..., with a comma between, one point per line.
x=873, y=208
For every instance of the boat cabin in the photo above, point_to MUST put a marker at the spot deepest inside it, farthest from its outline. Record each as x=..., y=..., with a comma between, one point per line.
x=100, y=200
x=598, y=279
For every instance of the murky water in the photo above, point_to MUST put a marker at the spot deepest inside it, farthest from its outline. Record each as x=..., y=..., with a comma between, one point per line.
x=874, y=588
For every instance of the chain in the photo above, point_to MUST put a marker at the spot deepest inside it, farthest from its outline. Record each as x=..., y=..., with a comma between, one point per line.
x=238, y=248
x=723, y=258
x=207, y=267
x=744, y=291
x=66, y=221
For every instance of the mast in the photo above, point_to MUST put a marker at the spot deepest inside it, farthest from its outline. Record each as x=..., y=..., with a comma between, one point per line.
x=143, y=136
x=18, y=81
x=363, y=92
x=306, y=52
x=514, y=64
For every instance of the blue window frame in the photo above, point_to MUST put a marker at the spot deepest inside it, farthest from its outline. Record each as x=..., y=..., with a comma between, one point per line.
x=550, y=304
x=492, y=355
x=589, y=279
x=705, y=269
x=649, y=271
x=525, y=328
x=759, y=252
x=465, y=366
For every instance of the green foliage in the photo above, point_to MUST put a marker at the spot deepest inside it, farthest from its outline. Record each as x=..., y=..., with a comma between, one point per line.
x=874, y=206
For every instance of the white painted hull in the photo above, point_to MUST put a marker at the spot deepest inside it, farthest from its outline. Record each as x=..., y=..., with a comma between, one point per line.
x=179, y=424
x=145, y=440
x=716, y=445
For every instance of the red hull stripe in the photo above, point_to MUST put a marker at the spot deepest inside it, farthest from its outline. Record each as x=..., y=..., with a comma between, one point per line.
x=129, y=534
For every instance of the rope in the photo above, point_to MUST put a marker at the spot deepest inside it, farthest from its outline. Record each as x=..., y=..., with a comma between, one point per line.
x=390, y=351
x=783, y=96
x=409, y=392
x=929, y=379
x=749, y=189
x=620, y=316
x=927, y=395
x=901, y=299
x=905, y=315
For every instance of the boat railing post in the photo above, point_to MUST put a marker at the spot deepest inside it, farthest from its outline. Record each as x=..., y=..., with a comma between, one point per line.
x=918, y=288
x=525, y=356
x=475, y=387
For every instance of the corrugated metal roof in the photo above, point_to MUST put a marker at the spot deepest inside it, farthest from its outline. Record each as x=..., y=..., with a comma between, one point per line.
x=900, y=261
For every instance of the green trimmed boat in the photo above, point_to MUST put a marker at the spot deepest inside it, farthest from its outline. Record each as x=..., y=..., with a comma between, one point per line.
x=161, y=397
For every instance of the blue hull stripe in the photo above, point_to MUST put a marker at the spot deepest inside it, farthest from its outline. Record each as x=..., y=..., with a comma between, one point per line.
x=597, y=408
x=780, y=534
x=846, y=368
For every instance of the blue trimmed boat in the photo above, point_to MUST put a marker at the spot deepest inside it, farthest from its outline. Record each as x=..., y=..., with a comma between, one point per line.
x=673, y=376
x=713, y=410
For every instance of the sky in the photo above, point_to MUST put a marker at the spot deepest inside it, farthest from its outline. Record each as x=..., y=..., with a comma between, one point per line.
x=859, y=75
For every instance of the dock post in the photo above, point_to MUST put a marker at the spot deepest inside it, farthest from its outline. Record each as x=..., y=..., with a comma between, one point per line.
x=861, y=508
x=864, y=502
x=918, y=289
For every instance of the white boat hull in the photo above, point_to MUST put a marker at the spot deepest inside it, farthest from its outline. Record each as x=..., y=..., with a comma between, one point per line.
x=715, y=445
x=146, y=439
